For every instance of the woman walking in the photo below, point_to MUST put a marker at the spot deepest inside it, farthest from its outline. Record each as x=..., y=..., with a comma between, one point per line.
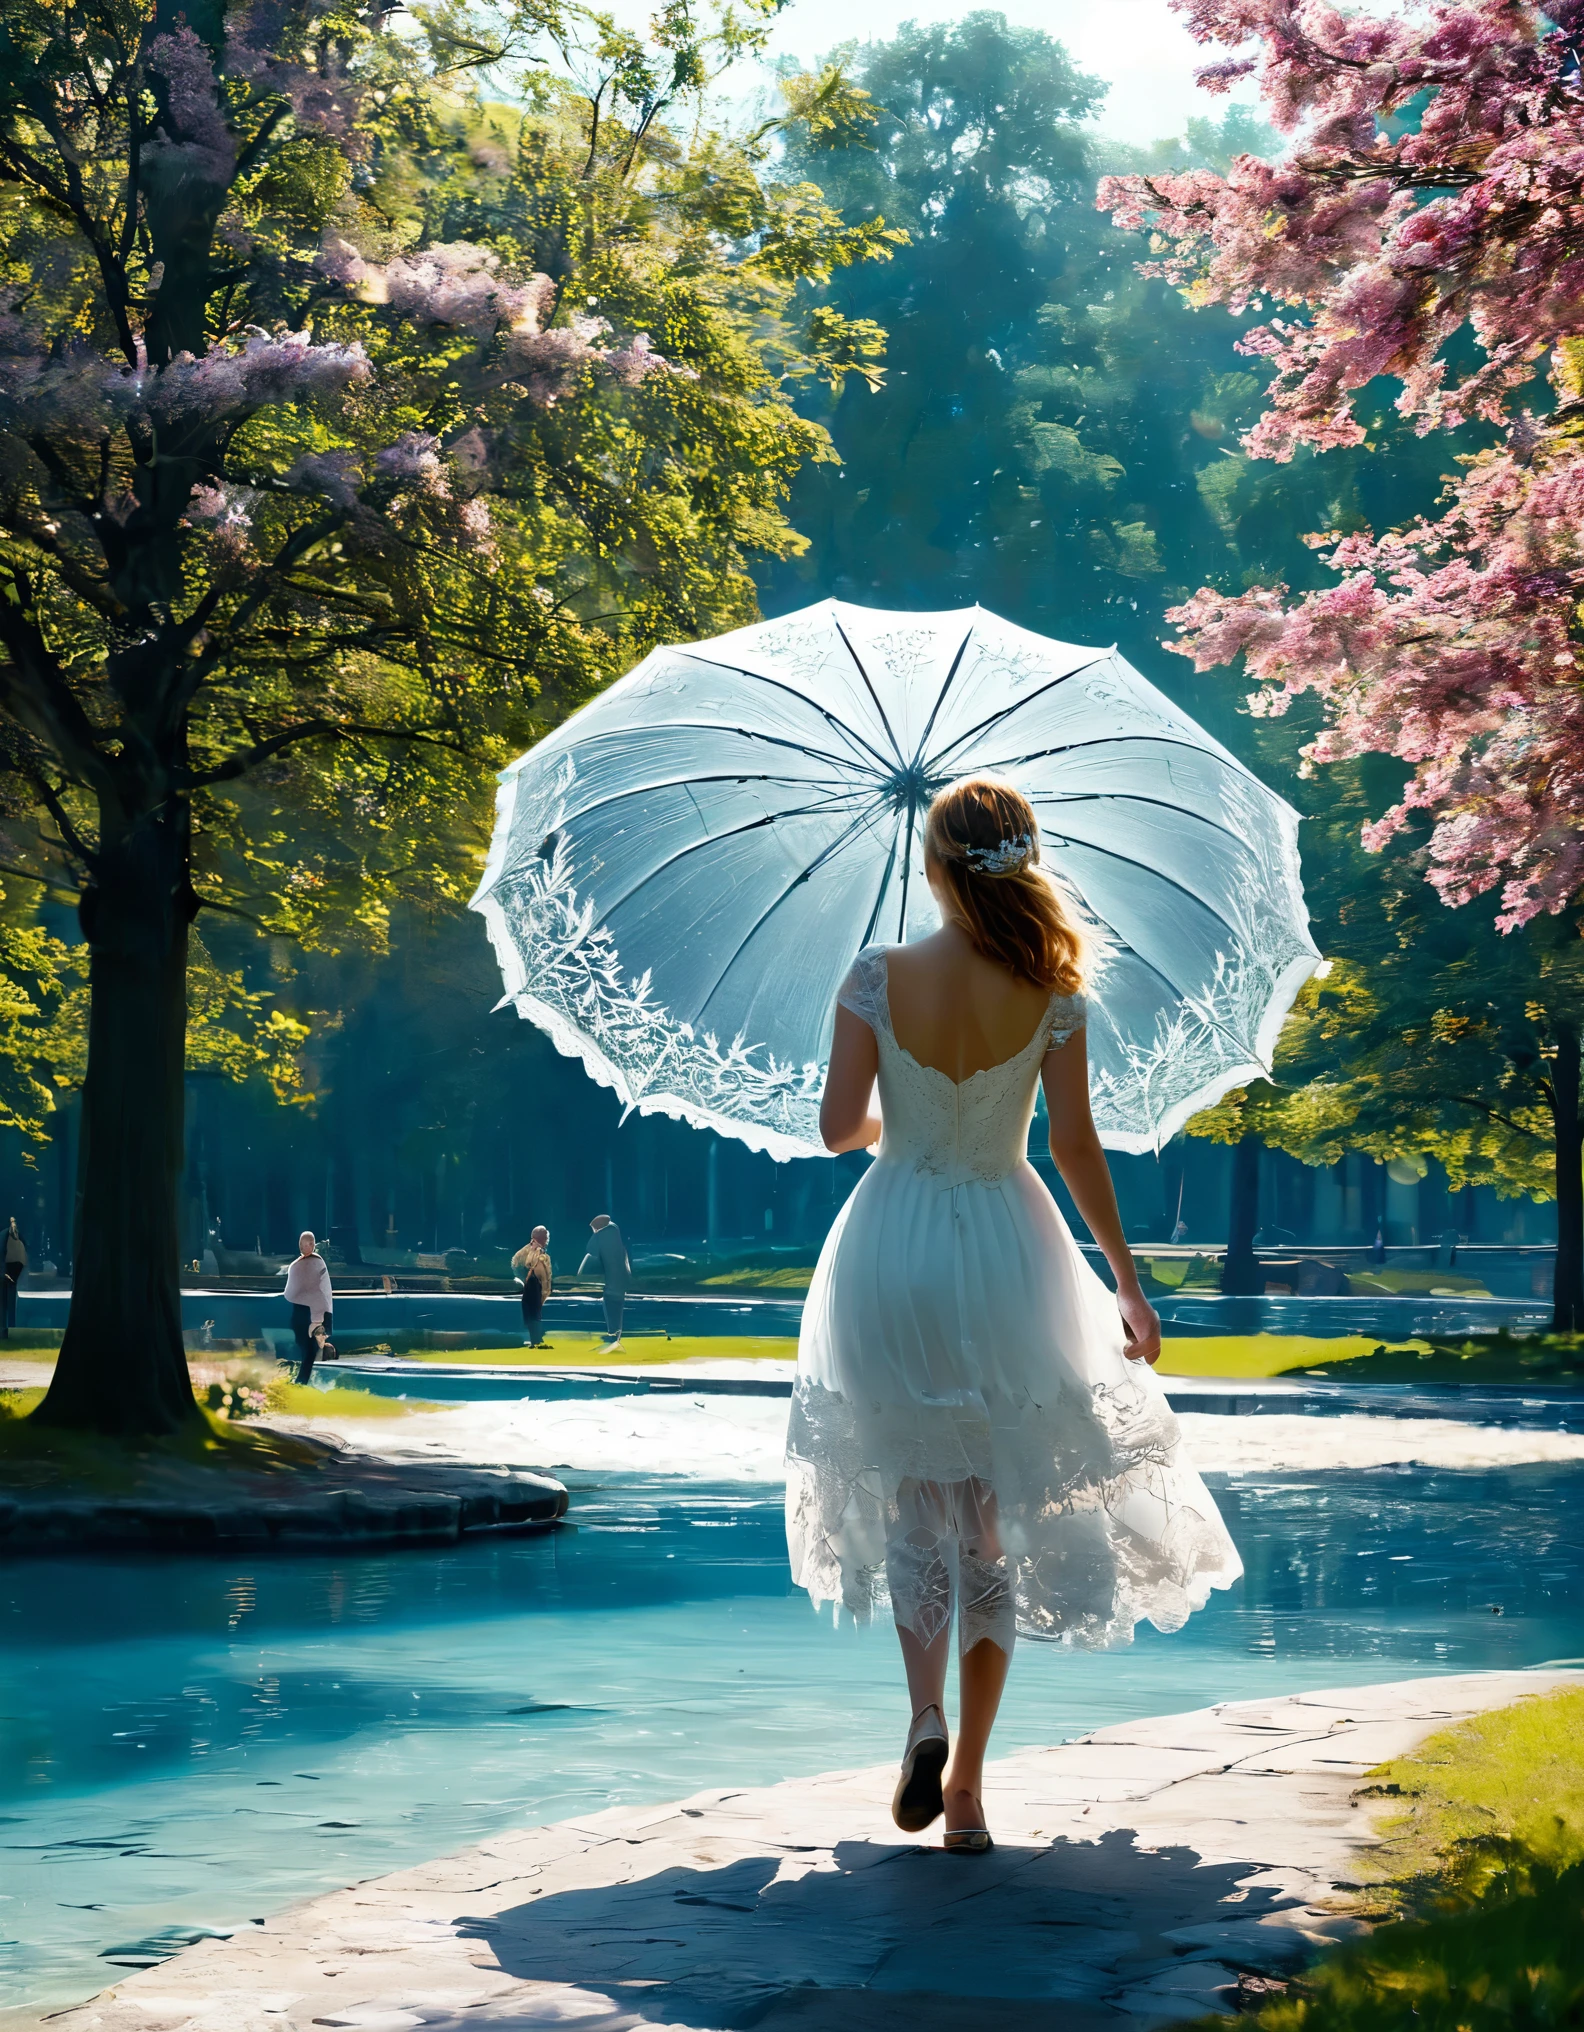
x=976, y=1427
x=312, y=1303
x=532, y=1264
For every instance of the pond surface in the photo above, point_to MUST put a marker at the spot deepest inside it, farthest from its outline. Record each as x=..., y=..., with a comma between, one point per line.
x=188, y=1744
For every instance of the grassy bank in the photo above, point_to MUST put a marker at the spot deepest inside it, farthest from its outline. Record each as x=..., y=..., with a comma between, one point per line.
x=1252, y=1358
x=1247, y=1358
x=588, y=1351
x=1481, y=1893
x=1485, y=1358
x=32, y=1454
x=302, y=1400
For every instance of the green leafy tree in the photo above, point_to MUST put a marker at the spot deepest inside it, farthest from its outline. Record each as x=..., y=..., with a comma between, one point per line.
x=1432, y=1035
x=353, y=430
x=1057, y=437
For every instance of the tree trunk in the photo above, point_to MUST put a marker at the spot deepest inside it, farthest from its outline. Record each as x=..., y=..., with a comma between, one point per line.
x=1240, y=1273
x=1568, y=1295
x=122, y=1366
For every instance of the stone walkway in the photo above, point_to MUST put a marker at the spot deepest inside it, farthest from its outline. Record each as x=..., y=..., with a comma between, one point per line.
x=1143, y=1875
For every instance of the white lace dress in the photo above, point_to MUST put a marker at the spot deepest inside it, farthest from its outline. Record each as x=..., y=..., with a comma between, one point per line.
x=965, y=1422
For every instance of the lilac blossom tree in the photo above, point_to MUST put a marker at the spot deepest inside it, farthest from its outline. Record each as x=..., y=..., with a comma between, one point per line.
x=353, y=428
x=1423, y=226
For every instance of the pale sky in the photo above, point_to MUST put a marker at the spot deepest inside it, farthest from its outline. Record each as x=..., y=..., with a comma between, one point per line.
x=1139, y=46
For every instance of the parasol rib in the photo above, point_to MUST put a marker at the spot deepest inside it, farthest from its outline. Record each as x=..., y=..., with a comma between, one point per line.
x=764, y=917
x=885, y=883
x=885, y=718
x=617, y=797
x=617, y=735
x=1061, y=800
x=940, y=700
x=714, y=840
x=847, y=733
x=1006, y=713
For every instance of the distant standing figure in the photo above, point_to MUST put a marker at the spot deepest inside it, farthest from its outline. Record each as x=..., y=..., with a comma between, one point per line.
x=311, y=1300
x=16, y=1261
x=607, y=1258
x=532, y=1264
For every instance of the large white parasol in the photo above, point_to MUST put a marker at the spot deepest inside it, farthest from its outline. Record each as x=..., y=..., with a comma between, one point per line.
x=682, y=873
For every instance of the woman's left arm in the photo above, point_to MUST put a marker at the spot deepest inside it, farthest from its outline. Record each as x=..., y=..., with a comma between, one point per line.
x=847, y=1121
x=1075, y=1148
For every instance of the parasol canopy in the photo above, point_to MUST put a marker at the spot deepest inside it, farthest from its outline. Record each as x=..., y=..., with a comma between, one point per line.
x=682, y=873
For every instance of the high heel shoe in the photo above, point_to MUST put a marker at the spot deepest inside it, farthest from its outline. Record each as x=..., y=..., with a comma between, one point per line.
x=917, y=1799
x=968, y=1841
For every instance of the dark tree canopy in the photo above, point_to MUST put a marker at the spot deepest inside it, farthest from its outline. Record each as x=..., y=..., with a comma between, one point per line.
x=354, y=427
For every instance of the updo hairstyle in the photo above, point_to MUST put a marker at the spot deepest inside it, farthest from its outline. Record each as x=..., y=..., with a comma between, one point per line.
x=983, y=837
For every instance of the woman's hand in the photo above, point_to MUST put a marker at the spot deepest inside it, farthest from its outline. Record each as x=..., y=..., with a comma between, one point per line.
x=1142, y=1323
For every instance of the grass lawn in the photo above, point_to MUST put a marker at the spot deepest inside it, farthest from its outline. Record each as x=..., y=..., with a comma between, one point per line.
x=1484, y=1358
x=1256, y=1357
x=302, y=1400
x=1414, y=1283
x=786, y=1278
x=31, y=1452
x=34, y=1454
x=587, y=1351
x=1249, y=1357
x=1482, y=1888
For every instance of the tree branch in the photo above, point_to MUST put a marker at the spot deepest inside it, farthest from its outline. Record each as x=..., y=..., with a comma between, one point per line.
x=35, y=693
x=1495, y=1114
x=316, y=730
x=111, y=272
x=68, y=832
x=255, y=148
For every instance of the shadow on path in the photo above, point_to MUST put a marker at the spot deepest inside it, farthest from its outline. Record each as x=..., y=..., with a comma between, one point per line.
x=866, y=1935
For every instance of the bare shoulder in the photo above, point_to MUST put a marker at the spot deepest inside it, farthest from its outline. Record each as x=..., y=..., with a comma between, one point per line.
x=946, y=969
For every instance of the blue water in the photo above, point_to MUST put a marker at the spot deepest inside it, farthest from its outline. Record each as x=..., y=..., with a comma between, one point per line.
x=248, y=1314
x=188, y=1744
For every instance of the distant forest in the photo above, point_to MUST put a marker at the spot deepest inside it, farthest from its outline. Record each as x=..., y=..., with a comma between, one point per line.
x=1048, y=434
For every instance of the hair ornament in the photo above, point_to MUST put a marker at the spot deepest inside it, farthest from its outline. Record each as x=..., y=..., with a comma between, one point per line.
x=1006, y=857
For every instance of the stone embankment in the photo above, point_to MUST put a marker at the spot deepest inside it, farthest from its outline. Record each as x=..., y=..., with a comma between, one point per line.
x=1143, y=1875
x=336, y=1497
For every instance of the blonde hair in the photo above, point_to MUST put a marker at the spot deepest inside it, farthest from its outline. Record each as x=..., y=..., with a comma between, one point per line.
x=983, y=837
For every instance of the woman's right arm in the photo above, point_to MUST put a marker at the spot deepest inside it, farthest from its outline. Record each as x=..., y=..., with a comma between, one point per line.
x=1078, y=1156
x=846, y=1119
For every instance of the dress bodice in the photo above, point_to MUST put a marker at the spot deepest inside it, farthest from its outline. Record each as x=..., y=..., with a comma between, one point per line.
x=954, y=1130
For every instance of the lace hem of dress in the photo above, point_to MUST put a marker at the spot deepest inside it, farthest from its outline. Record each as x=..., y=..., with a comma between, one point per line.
x=1103, y=1523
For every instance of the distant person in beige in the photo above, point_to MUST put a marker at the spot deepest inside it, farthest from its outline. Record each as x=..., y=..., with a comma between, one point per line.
x=532, y=1264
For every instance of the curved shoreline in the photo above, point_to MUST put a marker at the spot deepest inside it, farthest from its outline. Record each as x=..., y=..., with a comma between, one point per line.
x=1143, y=1875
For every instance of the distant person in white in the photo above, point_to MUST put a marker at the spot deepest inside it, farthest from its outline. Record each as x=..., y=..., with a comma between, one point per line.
x=607, y=1260
x=311, y=1300
x=16, y=1261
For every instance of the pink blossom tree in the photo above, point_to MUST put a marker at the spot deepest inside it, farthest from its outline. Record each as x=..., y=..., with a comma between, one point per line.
x=347, y=434
x=1432, y=195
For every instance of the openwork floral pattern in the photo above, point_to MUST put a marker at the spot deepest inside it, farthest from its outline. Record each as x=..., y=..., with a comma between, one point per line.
x=1105, y=1522
x=572, y=984
x=800, y=755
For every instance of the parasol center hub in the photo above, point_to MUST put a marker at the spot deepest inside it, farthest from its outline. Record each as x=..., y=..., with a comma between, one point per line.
x=912, y=785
